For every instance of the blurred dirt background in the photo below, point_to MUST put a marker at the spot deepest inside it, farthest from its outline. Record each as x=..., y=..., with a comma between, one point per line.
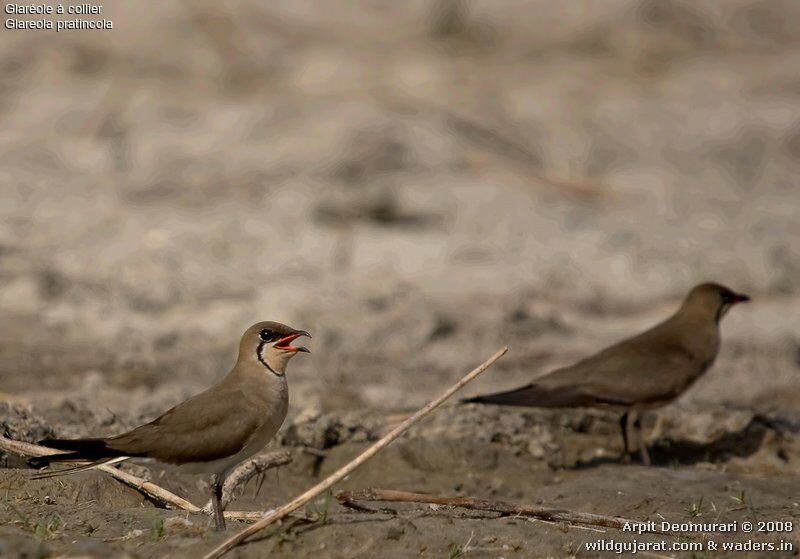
x=416, y=183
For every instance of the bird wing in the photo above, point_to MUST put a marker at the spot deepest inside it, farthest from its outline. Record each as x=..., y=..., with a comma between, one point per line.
x=648, y=368
x=533, y=395
x=627, y=374
x=200, y=429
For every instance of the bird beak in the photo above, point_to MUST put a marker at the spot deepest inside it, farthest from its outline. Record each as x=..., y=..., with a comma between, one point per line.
x=285, y=343
x=740, y=298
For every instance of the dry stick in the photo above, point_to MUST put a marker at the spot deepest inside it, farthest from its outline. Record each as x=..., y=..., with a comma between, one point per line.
x=349, y=498
x=348, y=468
x=147, y=487
x=246, y=471
x=490, y=141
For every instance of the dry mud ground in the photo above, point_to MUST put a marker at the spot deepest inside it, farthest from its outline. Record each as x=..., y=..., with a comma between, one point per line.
x=417, y=187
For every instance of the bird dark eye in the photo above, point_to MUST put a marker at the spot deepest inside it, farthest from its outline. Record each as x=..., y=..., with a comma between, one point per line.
x=266, y=335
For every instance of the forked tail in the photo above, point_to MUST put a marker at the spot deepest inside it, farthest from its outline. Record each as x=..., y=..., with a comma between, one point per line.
x=93, y=451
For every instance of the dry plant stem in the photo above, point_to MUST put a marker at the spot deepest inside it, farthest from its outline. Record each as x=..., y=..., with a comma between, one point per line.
x=350, y=498
x=148, y=488
x=242, y=474
x=348, y=468
x=490, y=141
x=151, y=489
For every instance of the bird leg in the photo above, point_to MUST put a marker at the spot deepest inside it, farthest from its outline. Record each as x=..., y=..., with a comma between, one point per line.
x=216, y=502
x=623, y=424
x=640, y=442
x=655, y=433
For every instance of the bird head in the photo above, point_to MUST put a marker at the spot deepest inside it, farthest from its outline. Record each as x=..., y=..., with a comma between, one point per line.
x=713, y=299
x=270, y=345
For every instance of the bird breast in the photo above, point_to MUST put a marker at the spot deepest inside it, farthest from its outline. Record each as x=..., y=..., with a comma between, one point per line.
x=269, y=400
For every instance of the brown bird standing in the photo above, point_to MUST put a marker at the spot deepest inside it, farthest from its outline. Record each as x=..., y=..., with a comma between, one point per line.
x=643, y=372
x=213, y=431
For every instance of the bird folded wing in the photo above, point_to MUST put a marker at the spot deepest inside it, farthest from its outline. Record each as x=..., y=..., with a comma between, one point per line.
x=198, y=430
x=627, y=377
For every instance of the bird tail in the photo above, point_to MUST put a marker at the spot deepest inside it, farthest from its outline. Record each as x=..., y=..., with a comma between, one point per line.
x=81, y=468
x=535, y=396
x=93, y=451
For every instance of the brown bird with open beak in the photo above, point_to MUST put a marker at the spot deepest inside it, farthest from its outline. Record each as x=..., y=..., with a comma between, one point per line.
x=643, y=372
x=213, y=431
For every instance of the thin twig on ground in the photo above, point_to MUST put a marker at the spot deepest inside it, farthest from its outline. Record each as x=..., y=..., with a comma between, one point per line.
x=255, y=466
x=147, y=487
x=348, y=468
x=170, y=500
x=515, y=156
x=351, y=499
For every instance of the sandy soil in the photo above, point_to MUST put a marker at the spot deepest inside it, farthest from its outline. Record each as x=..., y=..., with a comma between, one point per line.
x=416, y=187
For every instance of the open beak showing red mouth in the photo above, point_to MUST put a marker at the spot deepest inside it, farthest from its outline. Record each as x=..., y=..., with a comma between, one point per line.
x=285, y=343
